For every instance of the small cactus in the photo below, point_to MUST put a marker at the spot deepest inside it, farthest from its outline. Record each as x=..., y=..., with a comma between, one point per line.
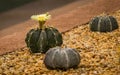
x=41, y=39
x=61, y=58
x=103, y=23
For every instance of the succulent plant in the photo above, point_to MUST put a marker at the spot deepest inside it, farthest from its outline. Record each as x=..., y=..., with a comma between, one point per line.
x=104, y=23
x=39, y=40
x=61, y=58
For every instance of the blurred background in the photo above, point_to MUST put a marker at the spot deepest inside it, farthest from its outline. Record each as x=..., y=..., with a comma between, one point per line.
x=10, y=4
x=15, y=11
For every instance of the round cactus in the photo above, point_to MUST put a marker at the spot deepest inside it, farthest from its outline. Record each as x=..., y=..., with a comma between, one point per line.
x=42, y=38
x=61, y=58
x=103, y=23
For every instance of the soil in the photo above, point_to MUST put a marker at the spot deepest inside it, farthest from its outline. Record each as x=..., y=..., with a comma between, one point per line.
x=66, y=17
x=99, y=53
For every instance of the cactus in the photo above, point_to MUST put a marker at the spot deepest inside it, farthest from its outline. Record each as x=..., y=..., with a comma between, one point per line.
x=103, y=23
x=61, y=58
x=41, y=39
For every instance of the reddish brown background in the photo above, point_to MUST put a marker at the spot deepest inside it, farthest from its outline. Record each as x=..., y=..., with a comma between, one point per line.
x=64, y=18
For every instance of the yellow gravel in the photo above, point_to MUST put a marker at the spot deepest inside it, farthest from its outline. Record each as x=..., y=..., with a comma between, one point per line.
x=100, y=54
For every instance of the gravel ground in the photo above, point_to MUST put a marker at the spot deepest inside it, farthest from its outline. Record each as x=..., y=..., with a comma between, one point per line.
x=100, y=54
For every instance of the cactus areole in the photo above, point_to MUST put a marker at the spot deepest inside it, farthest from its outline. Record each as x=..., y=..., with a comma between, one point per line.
x=39, y=40
x=103, y=23
x=61, y=58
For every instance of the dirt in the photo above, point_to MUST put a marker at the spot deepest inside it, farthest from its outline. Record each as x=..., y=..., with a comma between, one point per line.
x=12, y=38
x=99, y=54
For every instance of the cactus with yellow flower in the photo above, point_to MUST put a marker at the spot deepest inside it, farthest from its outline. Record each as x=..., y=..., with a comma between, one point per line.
x=39, y=40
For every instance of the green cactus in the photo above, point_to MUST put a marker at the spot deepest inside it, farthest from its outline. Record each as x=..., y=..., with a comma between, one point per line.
x=43, y=38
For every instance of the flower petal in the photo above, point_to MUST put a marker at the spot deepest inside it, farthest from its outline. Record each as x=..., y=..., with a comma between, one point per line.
x=42, y=17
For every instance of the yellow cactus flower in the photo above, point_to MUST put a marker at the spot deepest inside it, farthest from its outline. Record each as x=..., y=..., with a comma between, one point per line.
x=41, y=17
